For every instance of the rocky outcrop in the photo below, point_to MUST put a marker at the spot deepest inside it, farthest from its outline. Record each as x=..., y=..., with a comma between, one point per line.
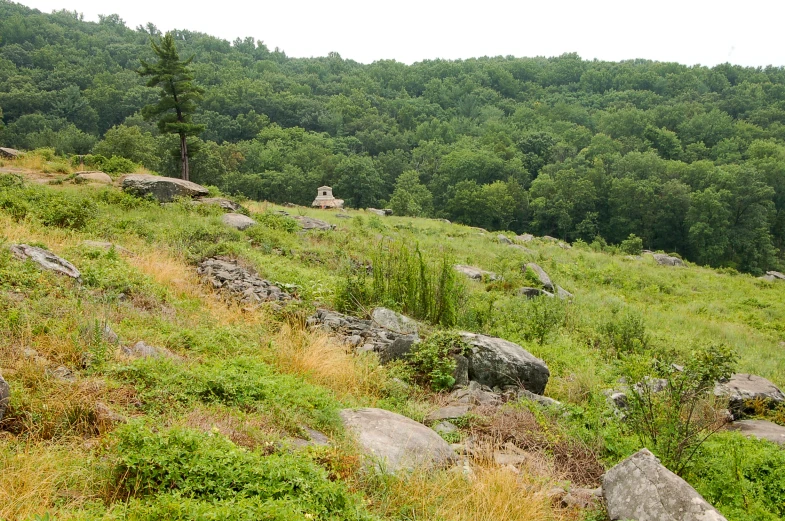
x=496, y=362
x=503, y=239
x=526, y=237
x=743, y=389
x=475, y=273
x=309, y=223
x=543, y=277
x=666, y=260
x=391, y=442
x=45, y=259
x=369, y=335
x=5, y=396
x=237, y=221
x=395, y=322
x=9, y=153
x=163, y=189
x=93, y=177
x=226, y=204
x=761, y=429
x=641, y=489
x=240, y=283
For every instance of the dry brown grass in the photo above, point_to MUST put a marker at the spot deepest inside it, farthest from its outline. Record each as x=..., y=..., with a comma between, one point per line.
x=323, y=361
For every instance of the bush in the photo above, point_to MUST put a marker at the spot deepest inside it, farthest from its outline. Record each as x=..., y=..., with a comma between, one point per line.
x=433, y=359
x=545, y=315
x=202, y=474
x=66, y=210
x=632, y=245
x=112, y=165
x=625, y=334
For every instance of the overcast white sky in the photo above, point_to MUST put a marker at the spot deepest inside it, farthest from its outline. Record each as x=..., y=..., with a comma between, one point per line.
x=686, y=31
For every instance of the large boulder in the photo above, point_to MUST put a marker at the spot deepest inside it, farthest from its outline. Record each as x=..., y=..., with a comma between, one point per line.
x=475, y=273
x=543, y=277
x=776, y=275
x=761, y=429
x=526, y=237
x=392, y=442
x=163, y=189
x=226, y=204
x=496, y=362
x=743, y=389
x=5, y=396
x=9, y=153
x=667, y=260
x=237, y=221
x=45, y=259
x=395, y=322
x=503, y=239
x=641, y=489
x=309, y=223
x=93, y=177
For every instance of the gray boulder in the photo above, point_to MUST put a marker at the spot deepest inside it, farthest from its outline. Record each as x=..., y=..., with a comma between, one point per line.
x=503, y=239
x=380, y=213
x=475, y=273
x=142, y=350
x=447, y=413
x=641, y=489
x=9, y=153
x=163, y=189
x=474, y=394
x=5, y=396
x=237, y=221
x=542, y=400
x=226, y=204
x=667, y=260
x=526, y=237
x=309, y=223
x=776, y=275
x=93, y=177
x=761, y=429
x=498, y=362
x=742, y=389
x=563, y=293
x=543, y=277
x=45, y=259
x=529, y=292
x=392, y=442
x=395, y=322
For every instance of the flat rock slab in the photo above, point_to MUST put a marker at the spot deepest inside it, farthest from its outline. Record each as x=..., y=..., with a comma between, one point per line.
x=447, y=413
x=526, y=237
x=163, y=189
x=543, y=277
x=242, y=284
x=226, y=204
x=45, y=259
x=93, y=177
x=496, y=362
x=761, y=429
x=742, y=389
x=475, y=273
x=666, y=260
x=641, y=489
x=9, y=153
x=5, y=396
x=309, y=223
x=393, y=442
x=237, y=221
x=395, y=322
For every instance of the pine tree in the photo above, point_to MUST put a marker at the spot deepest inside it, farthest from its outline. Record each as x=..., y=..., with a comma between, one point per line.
x=178, y=95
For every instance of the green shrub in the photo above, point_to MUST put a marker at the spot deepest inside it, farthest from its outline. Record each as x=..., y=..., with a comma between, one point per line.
x=277, y=222
x=112, y=165
x=632, y=245
x=66, y=210
x=193, y=475
x=625, y=334
x=433, y=359
x=544, y=315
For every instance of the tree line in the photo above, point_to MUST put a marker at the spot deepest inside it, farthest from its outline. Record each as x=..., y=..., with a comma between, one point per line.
x=690, y=159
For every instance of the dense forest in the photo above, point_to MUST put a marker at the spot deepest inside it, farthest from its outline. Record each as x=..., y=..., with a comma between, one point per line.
x=690, y=159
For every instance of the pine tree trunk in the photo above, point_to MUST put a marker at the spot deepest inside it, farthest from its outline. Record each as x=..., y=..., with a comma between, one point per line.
x=184, y=157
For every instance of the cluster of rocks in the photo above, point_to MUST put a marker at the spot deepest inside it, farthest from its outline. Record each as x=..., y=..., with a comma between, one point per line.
x=242, y=284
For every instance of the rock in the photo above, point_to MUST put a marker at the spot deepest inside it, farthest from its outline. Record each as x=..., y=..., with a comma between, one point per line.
x=106, y=415
x=46, y=259
x=549, y=238
x=776, y=274
x=395, y=322
x=563, y=293
x=9, y=153
x=768, y=278
x=239, y=283
x=226, y=204
x=742, y=389
x=666, y=260
x=761, y=429
x=503, y=239
x=5, y=396
x=392, y=442
x=315, y=439
x=343, y=216
x=163, y=189
x=93, y=177
x=474, y=394
x=447, y=413
x=399, y=348
x=62, y=373
x=582, y=498
x=142, y=350
x=104, y=245
x=445, y=427
x=542, y=400
x=534, y=292
x=309, y=223
x=237, y=221
x=526, y=237
x=475, y=273
x=109, y=336
x=497, y=362
x=641, y=489
x=382, y=213
x=543, y=277
x=461, y=373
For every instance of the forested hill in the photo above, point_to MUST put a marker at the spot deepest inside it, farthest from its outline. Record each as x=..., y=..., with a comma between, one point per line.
x=691, y=159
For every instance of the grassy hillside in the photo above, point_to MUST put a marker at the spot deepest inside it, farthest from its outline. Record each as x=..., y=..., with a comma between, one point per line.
x=218, y=417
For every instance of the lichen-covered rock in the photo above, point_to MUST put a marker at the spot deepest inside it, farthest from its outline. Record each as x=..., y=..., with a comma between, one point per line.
x=45, y=259
x=10, y=153
x=5, y=396
x=475, y=273
x=761, y=429
x=666, y=260
x=309, y=223
x=776, y=275
x=395, y=322
x=743, y=389
x=163, y=189
x=392, y=442
x=240, y=283
x=226, y=204
x=93, y=177
x=543, y=277
x=237, y=221
x=503, y=239
x=496, y=362
x=641, y=489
